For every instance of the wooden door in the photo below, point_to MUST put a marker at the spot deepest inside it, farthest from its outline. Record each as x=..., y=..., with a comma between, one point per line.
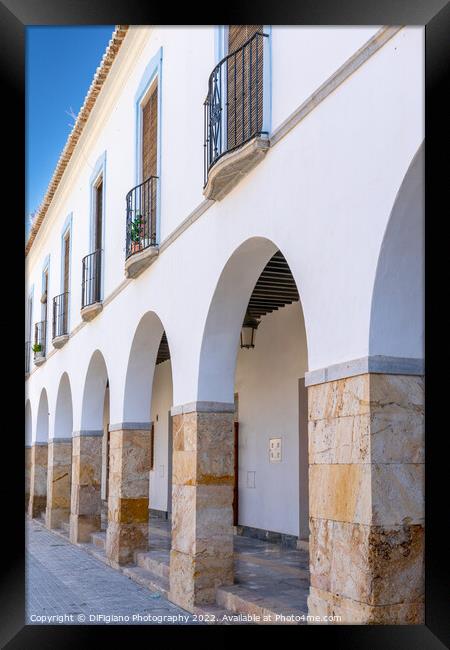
x=236, y=470
x=303, y=460
x=169, y=466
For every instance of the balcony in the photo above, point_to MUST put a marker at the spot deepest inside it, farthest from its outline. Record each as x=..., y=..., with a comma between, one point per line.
x=91, y=302
x=141, y=244
x=40, y=332
x=60, y=320
x=234, y=117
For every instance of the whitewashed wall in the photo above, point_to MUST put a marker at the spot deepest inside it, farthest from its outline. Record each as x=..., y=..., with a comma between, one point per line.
x=161, y=405
x=267, y=385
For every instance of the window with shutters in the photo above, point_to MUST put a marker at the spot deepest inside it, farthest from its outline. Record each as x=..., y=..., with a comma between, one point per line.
x=142, y=201
x=236, y=109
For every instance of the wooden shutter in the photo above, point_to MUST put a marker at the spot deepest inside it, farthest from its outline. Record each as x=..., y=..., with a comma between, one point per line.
x=99, y=215
x=238, y=34
x=149, y=135
x=66, y=262
x=66, y=279
x=152, y=446
x=245, y=102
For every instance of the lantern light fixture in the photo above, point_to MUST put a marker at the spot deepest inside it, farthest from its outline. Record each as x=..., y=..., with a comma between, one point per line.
x=248, y=331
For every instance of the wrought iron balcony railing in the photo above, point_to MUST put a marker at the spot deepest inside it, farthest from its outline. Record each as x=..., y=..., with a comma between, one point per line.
x=91, y=278
x=40, y=335
x=141, y=216
x=60, y=313
x=233, y=109
x=27, y=356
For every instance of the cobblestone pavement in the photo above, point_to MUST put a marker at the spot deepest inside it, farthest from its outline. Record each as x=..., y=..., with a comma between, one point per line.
x=66, y=585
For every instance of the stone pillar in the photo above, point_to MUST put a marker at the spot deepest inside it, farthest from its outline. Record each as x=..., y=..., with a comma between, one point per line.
x=129, y=467
x=366, y=486
x=27, y=475
x=38, y=479
x=59, y=476
x=86, y=502
x=201, y=558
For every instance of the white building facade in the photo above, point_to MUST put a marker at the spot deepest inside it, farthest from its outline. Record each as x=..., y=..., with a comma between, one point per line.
x=293, y=196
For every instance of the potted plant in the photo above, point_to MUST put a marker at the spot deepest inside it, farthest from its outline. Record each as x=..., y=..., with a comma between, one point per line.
x=37, y=349
x=135, y=233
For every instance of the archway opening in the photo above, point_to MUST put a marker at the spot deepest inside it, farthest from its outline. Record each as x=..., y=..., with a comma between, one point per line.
x=248, y=432
x=59, y=471
x=143, y=486
x=39, y=460
x=87, y=466
x=270, y=427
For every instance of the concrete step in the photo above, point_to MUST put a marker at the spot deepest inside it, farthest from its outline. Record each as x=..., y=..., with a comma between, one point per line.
x=239, y=600
x=99, y=539
x=97, y=552
x=154, y=561
x=147, y=579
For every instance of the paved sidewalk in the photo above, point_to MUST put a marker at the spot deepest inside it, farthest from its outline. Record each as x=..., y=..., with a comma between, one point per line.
x=64, y=582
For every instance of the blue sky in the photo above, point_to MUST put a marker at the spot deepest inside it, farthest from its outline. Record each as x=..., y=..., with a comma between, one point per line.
x=60, y=65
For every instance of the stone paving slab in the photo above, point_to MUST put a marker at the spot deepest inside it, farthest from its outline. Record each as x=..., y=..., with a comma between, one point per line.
x=64, y=582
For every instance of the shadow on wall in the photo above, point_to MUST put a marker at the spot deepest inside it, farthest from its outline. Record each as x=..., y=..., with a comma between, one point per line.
x=398, y=300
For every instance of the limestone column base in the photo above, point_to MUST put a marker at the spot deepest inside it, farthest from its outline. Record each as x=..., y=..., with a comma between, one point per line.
x=38, y=480
x=85, y=512
x=127, y=529
x=201, y=558
x=82, y=526
x=59, y=476
x=128, y=494
x=324, y=604
x=366, y=494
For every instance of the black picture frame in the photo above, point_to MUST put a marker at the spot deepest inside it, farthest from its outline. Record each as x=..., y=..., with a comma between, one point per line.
x=15, y=16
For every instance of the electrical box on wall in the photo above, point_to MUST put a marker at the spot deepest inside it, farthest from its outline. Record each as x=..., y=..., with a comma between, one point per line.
x=275, y=450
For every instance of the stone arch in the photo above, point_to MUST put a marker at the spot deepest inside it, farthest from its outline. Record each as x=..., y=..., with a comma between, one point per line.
x=94, y=393
x=398, y=300
x=256, y=277
x=42, y=418
x=64, y=410
x=225, y=316
x=129, y=486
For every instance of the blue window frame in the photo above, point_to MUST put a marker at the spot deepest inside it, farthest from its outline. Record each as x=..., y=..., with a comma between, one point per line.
x=66, y=232
x=98, y=176
x=152, y=74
